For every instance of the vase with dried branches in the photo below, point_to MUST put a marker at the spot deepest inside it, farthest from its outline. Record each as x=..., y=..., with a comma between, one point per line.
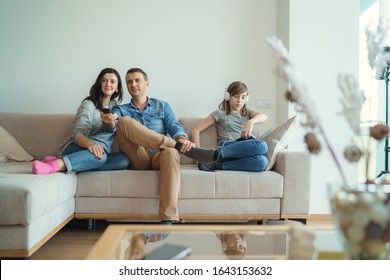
x=361, y=212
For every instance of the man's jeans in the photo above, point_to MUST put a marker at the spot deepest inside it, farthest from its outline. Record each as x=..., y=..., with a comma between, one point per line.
x=80, y=159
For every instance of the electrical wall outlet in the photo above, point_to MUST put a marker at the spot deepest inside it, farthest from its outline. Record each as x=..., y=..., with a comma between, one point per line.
x=264, y=103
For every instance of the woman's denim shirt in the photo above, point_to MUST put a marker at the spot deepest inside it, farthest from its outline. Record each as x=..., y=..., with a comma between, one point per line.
x=157, y=116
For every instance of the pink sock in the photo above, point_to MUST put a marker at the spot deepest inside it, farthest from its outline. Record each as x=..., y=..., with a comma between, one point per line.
x=49, y=159
x=45, y=168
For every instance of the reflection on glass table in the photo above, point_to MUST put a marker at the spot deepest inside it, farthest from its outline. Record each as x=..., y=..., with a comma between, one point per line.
x=232, y=245
x=208, y=242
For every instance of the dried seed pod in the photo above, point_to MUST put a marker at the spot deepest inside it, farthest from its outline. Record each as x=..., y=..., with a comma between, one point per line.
x=379, y=131
x=352, y=153
x=290, y=96
x=313, y=145
x=386, y=235
x=385, y=180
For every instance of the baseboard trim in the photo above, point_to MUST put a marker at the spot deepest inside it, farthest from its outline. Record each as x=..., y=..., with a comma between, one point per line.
x=294, y=216
x=321, y=217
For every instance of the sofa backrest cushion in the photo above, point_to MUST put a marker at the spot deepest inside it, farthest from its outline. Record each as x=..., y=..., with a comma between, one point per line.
x=208, y=138
x=39, y=134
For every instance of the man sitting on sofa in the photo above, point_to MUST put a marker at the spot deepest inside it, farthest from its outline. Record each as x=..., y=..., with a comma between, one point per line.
x=142, y=129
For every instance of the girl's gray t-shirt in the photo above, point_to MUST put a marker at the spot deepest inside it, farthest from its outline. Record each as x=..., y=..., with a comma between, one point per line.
x=229, y=126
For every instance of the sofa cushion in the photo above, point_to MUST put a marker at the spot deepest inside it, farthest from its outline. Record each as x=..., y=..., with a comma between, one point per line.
x=25, y=197
x=194, y=184
x=10, y=149
x=278, y=139
x=22, y=237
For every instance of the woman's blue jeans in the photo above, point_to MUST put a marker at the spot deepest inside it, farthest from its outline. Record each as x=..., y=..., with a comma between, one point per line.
x=243, y=155
x=80, y=159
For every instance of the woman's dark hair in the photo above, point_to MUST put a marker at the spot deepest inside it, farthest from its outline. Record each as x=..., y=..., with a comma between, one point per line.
x=95, y=93
x=233, y=89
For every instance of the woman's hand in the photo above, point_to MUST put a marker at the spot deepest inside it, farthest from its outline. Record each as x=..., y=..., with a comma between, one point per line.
x=108, y=119
x=96, y=150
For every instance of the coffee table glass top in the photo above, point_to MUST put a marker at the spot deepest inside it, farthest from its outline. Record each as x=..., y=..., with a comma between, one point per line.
x=210, y=242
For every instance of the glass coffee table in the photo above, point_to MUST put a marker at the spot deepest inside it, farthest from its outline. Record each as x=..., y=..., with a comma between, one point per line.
x=217, y=242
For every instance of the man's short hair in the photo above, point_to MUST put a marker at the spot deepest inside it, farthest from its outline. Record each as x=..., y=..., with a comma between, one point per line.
x=138, y=70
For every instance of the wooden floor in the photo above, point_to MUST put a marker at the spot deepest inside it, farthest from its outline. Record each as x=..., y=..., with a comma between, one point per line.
x=74, y=241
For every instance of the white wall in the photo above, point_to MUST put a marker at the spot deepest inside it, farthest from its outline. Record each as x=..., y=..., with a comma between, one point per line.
x=51, y=52
x=385, y=14
x=324, y=43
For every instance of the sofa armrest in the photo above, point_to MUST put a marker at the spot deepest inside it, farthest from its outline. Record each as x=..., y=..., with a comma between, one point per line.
x=294, y=166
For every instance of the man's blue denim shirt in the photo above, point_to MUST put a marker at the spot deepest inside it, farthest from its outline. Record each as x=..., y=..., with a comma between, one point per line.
x=157, y=116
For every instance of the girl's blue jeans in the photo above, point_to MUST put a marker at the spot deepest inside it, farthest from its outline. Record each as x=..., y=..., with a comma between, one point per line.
x=243, y=155
x=80, y=159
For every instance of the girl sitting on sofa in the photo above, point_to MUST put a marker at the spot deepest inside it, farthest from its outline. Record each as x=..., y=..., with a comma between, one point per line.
x=239, y=150
x=89, y=146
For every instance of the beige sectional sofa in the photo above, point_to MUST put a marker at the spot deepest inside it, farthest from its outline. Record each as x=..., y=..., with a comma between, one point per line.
x=34, y=207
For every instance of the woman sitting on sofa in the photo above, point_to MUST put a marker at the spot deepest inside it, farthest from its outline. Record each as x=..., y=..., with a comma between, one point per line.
x=239, y=150
x=89, y=146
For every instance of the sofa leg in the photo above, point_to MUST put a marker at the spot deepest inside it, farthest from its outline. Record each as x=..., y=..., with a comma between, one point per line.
x=91, y=224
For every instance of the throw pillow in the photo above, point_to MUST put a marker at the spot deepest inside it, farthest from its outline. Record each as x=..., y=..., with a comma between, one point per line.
x=278, y=139
x=10, y=149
